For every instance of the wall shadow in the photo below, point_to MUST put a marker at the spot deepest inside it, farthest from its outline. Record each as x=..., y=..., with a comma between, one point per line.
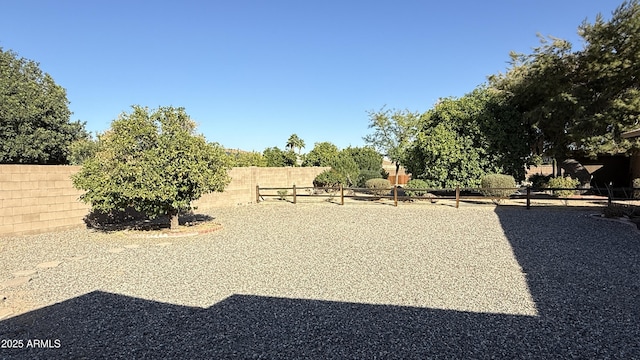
x=586, y=289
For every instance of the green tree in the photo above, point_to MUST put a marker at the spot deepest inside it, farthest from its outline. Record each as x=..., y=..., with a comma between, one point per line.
x=81, y=150
x=34, y=114
x=460, y=140
x=154, y=162
x=322, y=154
x=393, y=132
x=366, y=157
x=295, y=142
x=278, y=158
x=348, y=169
x=245, y=159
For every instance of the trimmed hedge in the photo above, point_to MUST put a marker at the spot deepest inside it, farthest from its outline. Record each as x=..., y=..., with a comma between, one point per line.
x=497, y=186
x=416, y=184
x=563, y=182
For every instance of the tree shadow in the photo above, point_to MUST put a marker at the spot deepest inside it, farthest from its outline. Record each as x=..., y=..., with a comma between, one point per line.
x=131, y=219
x=586, y=288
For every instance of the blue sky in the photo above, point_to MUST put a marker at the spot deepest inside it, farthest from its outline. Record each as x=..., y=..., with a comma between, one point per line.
x=251, y=73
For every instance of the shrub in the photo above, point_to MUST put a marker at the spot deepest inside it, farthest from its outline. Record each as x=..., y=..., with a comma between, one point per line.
x=416, y=184
x=563, y=182
x=282, y=194
x=539, y=181
x=497, y=186
x=378, y=187
x=328, y=178
x=365, y=175
x=636, y=185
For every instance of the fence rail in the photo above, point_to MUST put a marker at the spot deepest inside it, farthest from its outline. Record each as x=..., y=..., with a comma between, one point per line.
x=458, y=194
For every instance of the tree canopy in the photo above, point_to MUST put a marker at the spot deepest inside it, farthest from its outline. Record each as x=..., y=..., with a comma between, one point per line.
x=295, y=142
x=152, y=160
x=322, y=154
x=34, y=114
x=580, y=102
x=275, y=157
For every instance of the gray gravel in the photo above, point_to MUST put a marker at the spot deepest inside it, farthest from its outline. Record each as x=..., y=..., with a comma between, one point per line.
x=329, y=281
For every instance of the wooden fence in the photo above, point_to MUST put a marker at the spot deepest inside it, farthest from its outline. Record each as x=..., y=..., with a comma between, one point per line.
x=457, y=194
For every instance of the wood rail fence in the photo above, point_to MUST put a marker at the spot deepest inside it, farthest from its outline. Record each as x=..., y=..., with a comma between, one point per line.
x=458, y=194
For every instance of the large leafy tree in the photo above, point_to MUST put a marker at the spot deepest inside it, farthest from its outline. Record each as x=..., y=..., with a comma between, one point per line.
x=580, y=102
x=154, y=161
x=460, y=140
x=322, y=154
x=34, y=114
x=393, y=131
x=275, y=157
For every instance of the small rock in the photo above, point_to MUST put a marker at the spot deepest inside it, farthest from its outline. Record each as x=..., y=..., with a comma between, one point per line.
x=48, y=264
x=22, y=273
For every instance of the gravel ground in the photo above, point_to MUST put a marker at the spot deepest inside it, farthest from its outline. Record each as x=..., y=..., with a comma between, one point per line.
x=328, y=281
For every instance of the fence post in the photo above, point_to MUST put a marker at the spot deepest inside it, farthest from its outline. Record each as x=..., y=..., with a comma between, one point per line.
x=257, y=194
x=457, y=196
x=609, y=195
x=294, y=193
x=528, y=197
x=341, y=195
x=395, y=196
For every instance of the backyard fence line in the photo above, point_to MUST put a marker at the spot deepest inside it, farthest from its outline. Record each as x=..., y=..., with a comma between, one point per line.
x=528, y=193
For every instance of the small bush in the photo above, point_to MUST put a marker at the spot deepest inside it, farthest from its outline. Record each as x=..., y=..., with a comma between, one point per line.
x=328, y=178
x=282, y=194
x=539, y=181
x=636, y=185
x=497, y=186
x=367, y=175
x=416, y=184
x=378, y=187
x=563, y=182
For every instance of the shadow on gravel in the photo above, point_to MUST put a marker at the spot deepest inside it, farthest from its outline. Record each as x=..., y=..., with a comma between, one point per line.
x=130, y=219
x=585, y=286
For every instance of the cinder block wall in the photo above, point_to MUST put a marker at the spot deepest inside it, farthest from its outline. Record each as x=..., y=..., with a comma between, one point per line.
x=41, y=198
x=38, y=198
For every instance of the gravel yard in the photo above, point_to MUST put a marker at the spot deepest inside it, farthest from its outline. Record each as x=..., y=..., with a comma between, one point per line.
x=329, y=281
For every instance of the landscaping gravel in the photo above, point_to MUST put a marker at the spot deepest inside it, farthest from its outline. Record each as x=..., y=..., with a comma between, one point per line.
x=328, y=281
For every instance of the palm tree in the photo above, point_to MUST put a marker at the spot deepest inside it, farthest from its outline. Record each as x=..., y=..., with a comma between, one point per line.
x=295, y=142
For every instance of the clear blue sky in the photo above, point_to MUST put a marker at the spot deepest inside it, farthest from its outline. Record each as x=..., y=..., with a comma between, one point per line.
x=251, y=73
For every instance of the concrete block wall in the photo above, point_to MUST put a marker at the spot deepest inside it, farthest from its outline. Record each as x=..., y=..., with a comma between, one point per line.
x=38, y=198
x=41, y=198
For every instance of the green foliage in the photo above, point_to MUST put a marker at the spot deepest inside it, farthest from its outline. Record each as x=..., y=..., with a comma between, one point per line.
x=329, y=178
x=282, y=194
x=636, y=185
x=497, y=186
x=346, y=167
x=154, y=162
x=460, y=140
x=539, y=181
x=365, y=175
x=245, y=159
x=378, y=187
x=295, y=142
x=416, y=184
x=393, y=133
x=563, y=183
x=34, y=115
x=580, y=102
x=322, y=154
x=367, y=158
x=81, y=150
x=275, y=157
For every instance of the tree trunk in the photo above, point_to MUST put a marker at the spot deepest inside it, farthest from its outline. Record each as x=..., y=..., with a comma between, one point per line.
x=173, y=219
x=397, y=169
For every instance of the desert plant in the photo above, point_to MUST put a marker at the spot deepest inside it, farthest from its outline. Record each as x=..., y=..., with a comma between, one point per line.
x=378, y=187
x=539, y=181
x=365, y=175
x=282, y=194
x=416, y=184
x=497, y=186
